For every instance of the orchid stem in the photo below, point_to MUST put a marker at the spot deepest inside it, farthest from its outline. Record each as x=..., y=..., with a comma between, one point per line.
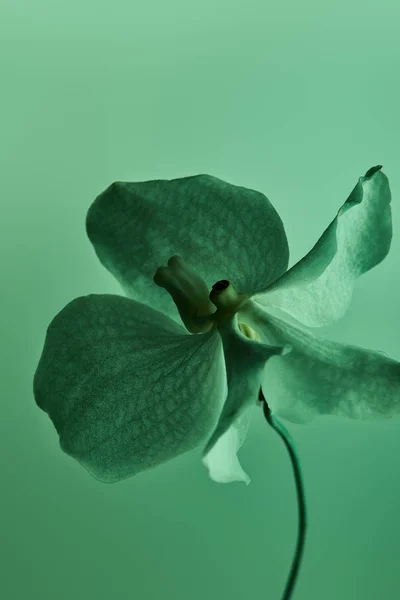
x=301, y=502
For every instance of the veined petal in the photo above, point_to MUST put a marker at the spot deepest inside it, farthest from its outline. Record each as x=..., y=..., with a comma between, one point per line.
x=320, y=376
x=126, y=387
x=245, y=360
x=222, y=231
x=317, y=290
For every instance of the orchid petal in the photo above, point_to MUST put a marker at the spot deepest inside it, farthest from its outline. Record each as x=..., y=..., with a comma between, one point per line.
x=221, y=460
x=320, y=376
x=317, y=290
x=126, y=387
x=222, y=231
x=245, y=360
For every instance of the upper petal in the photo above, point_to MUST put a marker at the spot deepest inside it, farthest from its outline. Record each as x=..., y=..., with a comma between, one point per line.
x=317, y=290
x=245, y=360
x=126, y=387
x=222, y=231
x=320, y=376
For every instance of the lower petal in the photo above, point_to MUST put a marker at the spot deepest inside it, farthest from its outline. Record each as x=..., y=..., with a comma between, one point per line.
x=320, y=376
x=221, y=461
x=245, y=360
x=126, y=387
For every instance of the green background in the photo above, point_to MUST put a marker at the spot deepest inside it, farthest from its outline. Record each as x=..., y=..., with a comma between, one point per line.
x=293, y=99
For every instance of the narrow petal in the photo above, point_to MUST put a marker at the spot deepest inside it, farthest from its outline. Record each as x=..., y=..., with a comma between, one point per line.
x=318, y=289
x=320, y=376
x=245, y=360
x=222, y=231
x=221, y=461
x=126, y=387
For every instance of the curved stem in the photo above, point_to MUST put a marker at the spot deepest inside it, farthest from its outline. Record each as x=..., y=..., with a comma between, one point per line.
x=301, y=503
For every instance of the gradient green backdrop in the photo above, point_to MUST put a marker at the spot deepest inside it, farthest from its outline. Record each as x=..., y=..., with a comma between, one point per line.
x=295, y=99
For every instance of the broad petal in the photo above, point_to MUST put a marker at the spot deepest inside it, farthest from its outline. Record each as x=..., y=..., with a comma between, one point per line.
x=245, y=360
x=126, y=387
x=222, y=231
x=320, y=376
x=317, y=290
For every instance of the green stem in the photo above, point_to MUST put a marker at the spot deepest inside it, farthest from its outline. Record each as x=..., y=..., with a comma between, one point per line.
x=301, y=502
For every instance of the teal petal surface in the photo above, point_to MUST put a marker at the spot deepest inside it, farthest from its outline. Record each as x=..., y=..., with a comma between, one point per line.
x=320, y=376
x=126, y=387
x=317, y=290
x=222, y=231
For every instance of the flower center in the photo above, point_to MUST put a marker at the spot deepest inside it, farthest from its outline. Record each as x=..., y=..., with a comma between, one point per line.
x=227, y=300
x=195, y=305
x=249, y=332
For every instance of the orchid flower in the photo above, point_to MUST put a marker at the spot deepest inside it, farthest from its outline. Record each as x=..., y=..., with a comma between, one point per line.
x=210, y=316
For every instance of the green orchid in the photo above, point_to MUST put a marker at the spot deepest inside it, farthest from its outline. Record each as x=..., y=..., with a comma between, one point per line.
x=211, y=316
